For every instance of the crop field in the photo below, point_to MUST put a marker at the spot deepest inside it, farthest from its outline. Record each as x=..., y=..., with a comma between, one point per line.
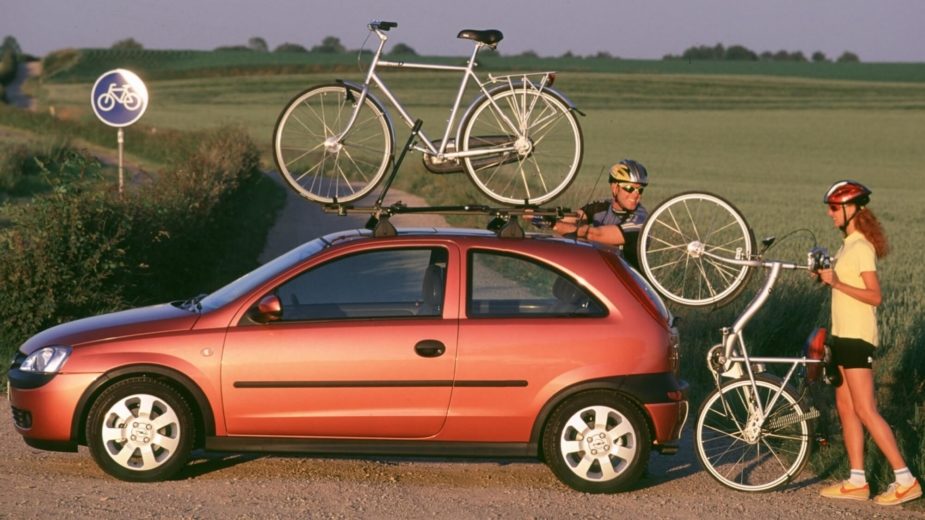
x=769, y=140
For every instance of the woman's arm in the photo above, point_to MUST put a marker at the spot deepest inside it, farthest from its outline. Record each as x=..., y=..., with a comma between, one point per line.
x=869, y=294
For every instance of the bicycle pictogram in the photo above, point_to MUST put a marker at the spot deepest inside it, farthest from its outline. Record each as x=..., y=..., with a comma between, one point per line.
x=123, y=95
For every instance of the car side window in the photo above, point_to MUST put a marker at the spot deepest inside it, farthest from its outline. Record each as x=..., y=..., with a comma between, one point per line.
x=504, y=285
x=375, y=284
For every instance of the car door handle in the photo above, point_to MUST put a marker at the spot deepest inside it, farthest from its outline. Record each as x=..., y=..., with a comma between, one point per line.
x=430, y=348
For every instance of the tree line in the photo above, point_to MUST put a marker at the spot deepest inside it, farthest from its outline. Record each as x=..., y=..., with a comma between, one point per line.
x=719, y=52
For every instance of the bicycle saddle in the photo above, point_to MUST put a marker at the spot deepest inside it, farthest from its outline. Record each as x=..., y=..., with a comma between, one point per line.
x=488, y=37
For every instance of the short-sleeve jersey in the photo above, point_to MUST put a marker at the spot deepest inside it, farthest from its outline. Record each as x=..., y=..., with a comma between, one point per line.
x=852, y=318
x=630, y=224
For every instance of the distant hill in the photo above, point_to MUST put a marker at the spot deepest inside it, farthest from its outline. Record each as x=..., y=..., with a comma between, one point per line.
x=83, y=65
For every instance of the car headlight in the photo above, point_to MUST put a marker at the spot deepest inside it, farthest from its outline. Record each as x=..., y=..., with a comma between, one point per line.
x=46, y=360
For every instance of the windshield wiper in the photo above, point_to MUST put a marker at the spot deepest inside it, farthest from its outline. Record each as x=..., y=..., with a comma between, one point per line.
x=194, y=303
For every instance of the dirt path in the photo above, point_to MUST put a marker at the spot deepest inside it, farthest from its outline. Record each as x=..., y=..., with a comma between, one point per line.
x=301, y=220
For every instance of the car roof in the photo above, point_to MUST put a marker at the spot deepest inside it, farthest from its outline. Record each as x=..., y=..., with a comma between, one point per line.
x=435, y=232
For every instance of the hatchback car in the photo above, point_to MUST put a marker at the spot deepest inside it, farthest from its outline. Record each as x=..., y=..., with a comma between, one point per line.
x=431, y=342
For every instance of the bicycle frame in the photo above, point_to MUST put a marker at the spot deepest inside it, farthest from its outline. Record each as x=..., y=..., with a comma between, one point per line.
x=733, y=359
x=372, y=78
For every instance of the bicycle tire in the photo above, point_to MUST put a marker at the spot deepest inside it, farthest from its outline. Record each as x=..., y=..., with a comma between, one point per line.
x=548, y=157
x=763, y=462
x=313, y=163
x=683, y=276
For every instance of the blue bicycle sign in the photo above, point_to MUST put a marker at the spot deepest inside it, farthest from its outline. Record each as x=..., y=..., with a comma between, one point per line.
x=119, y=98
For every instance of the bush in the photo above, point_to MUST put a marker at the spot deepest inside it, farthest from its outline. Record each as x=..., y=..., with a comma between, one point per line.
x=80, y=250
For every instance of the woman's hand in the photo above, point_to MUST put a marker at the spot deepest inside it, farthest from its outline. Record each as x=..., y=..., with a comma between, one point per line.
x=828, y=277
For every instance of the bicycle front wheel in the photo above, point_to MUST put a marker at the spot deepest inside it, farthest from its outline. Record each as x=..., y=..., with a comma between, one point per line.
x=528, y=145
x=743, y=453
x=314, y=162
x=673, y=239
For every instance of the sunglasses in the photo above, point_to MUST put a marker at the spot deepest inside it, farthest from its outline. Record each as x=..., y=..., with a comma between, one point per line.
x=834, y=207
x=632, y=189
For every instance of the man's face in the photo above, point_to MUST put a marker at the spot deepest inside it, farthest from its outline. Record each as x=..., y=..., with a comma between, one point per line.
x=627, y=194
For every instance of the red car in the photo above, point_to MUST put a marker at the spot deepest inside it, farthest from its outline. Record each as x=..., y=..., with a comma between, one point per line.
x=431, y=342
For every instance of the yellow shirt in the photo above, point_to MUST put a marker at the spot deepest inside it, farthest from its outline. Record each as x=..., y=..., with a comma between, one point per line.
x=852, y=318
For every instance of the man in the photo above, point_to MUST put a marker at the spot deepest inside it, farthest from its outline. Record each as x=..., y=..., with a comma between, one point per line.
x=616, y=222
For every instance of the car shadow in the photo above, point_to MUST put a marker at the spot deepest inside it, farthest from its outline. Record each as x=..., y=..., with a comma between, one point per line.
x=204, y=462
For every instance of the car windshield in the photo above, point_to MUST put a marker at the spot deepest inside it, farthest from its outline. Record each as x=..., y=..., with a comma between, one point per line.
x=261, y=275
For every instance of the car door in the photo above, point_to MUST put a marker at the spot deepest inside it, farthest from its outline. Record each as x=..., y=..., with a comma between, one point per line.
x=365, y=347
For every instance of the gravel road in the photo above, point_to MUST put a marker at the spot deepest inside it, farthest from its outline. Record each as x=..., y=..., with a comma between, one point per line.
x=37, y=484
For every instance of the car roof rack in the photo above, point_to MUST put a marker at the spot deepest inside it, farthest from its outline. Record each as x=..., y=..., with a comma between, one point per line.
x=504, y=221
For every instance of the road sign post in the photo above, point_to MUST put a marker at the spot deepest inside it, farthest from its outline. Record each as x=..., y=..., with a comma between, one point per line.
x=119, y=98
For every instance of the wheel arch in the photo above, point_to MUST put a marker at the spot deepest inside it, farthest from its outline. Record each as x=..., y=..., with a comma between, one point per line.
x=613, y=384
x=202, y=411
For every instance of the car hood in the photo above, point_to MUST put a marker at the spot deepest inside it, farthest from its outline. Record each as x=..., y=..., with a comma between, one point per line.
x=134, y=322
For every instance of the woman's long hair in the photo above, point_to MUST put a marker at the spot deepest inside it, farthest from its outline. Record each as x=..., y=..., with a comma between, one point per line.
x=866, y=222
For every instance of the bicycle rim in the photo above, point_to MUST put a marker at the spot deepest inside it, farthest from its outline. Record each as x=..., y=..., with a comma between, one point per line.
x=765, y=461
x=547, y=144
x=685, y=277
x=310, y=159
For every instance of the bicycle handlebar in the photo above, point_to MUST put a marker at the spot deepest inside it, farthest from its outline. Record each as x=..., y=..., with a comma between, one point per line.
x=382, y=26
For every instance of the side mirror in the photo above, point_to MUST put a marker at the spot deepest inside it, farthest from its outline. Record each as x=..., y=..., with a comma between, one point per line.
x=268, y=309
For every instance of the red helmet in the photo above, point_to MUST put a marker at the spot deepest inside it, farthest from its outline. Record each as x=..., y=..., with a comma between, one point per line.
x=847, y=192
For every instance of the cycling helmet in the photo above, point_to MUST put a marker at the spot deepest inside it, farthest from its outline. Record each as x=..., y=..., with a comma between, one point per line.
x=847, y=192
x=629, y=171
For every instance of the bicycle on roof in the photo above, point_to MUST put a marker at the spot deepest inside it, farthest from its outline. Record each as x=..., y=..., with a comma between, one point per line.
x=754, y=430
x=519, y=140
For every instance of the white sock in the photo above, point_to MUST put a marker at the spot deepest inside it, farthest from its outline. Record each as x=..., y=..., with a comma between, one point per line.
x=857, y=477
x=904, y=476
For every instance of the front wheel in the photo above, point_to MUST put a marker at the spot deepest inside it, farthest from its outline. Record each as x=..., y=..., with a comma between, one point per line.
x=525, y=145
x=742, y=451
x=140, y=430
x=597, y=442
x=674, y=239
x=318, y=165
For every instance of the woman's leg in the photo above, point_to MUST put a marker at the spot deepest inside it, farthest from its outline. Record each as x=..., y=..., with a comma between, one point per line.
x=852, y=427
x=860, y=383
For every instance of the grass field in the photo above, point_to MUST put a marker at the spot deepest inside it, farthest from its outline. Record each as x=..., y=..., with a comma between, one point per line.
x=770, y=140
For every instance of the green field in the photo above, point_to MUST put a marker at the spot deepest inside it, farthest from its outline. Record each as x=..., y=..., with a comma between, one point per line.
x=769, y=137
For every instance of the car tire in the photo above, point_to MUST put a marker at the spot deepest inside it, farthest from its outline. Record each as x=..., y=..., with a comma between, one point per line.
x=140, y=430
x=597, y=442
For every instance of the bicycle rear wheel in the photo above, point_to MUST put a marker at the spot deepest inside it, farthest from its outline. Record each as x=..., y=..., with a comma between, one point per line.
x=543, y=138
x=739, y=453
x=672, y=241
x=312, y=161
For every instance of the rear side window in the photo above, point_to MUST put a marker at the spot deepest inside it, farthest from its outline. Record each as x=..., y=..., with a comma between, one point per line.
x=505, y=285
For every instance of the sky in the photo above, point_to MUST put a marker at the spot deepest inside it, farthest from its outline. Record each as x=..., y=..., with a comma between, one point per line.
x=875, y=30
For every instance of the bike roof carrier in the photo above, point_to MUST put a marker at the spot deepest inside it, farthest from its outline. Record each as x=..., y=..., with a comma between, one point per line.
x=504, y=222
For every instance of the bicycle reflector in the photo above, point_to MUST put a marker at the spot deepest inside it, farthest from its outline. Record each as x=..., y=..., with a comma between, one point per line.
x=815, y=349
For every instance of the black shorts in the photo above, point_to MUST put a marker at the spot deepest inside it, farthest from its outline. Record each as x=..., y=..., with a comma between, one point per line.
x=851, y=352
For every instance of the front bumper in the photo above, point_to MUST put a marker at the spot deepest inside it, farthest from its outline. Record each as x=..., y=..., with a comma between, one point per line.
x=44, y=415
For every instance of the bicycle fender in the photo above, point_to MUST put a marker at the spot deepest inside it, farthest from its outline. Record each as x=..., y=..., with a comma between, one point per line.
x=376, y=101
x=482, y=97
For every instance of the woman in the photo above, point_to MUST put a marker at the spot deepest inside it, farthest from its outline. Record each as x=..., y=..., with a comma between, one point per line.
x=855, y=296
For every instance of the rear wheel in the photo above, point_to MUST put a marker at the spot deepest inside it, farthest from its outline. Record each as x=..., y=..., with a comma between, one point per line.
x=597, y=442
x=312, y=160
x=140, y=430
x=542, y=142
x=739, y=450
